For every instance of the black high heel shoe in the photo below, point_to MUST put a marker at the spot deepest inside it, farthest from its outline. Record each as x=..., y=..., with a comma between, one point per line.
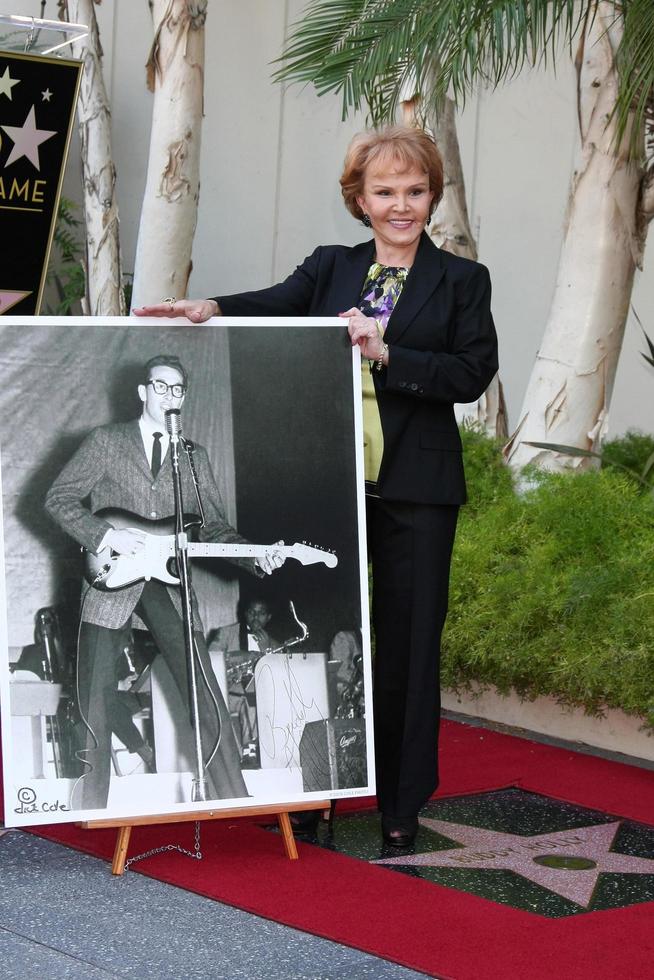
x=305, y=822
x=399, y=831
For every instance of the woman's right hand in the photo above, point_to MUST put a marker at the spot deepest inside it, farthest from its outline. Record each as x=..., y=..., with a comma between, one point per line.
x=195, y=310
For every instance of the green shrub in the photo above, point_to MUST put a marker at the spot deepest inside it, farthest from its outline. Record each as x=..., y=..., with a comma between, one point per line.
x=633, y=450
x=66, y=270
x=488, y=477
x=553, y=592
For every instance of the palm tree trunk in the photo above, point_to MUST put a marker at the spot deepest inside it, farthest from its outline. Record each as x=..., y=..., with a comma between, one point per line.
x=450, y=227
x=451, y=231
x=104, y=294
x=169, y=214
x=569, y=392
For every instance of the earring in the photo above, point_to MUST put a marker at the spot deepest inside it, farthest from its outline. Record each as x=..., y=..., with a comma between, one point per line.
x=366, y=221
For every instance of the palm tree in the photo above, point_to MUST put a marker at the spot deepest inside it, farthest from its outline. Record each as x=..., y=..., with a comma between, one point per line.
x=104, y=292
x=370, y=50
x=162, y=265
x=450, y=229
x=175, y=73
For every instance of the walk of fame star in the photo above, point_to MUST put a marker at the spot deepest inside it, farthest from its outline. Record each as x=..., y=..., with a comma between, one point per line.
x=27, y=139
x=567, y=862
x=10, y=297
x=7, y=83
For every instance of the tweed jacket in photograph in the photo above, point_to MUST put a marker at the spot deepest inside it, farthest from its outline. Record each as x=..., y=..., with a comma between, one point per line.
x=111, y=470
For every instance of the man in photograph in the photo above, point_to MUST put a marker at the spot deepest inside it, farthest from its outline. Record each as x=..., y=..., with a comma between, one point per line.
x=249, y=633
x=126, y=467
x=243, y=643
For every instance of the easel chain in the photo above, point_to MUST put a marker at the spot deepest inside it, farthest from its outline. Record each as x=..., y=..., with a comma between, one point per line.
x=195, y=854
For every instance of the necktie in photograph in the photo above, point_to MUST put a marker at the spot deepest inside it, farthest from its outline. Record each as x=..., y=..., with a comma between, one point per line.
x=155, y=466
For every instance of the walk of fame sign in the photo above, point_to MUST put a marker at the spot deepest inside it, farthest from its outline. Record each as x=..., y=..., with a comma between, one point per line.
x=532, y=852
x=546, y=859
x=519, y=849
x=37, y=106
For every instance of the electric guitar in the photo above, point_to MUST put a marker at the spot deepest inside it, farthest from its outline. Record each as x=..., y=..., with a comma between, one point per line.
x=108, y=570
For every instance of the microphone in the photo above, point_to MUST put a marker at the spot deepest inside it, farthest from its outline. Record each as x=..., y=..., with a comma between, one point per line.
x=173, y=423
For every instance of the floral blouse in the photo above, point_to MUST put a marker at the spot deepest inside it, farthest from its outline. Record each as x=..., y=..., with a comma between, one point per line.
x=381, y=291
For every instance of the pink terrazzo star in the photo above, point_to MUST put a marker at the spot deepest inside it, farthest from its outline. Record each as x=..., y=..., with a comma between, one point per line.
x=490, y=849
x=9, y=298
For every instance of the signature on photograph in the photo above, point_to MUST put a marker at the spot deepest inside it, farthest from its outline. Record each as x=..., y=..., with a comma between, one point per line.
x=29, y=803
x=281, y=727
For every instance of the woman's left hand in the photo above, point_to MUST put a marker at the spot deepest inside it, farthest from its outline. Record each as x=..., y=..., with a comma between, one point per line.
x=195, y=310
x=363, y=330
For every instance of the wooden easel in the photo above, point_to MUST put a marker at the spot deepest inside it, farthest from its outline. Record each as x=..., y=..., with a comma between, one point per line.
x=125, y=826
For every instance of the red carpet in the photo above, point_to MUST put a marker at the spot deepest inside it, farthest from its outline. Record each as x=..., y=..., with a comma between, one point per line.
x=437, y=930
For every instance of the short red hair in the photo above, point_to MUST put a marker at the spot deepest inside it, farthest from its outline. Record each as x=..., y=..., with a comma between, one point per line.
x=403, y=146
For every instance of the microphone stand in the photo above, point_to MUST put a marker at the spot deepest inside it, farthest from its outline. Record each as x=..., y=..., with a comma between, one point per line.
x=173, y=425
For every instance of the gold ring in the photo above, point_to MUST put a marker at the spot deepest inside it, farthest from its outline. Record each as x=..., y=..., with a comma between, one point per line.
x=171, y=300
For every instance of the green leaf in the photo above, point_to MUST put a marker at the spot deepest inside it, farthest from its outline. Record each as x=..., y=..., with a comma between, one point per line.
x=635, y=62
x=576, y=451
x=650, y=359
x=368, y=50
x=566, y=450
x=65, y=269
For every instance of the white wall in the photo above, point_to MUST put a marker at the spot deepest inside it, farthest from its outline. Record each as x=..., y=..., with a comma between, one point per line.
x=271, y=160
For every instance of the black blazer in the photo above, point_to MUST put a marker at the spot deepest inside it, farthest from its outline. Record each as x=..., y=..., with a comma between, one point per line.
x=442, y=350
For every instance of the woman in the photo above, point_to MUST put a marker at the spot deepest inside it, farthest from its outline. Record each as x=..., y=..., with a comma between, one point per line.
x=421, y=318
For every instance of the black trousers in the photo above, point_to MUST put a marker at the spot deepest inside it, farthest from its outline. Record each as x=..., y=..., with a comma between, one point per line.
x=99, y=648
x=121, y=711
x=410, y=547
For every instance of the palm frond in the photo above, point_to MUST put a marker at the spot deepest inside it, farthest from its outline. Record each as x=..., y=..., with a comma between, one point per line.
x=66, y=270
x=363, y=47
x=635, y=62
x=650, y=344
x=556, y=447
x=367, y=51
x=650, y=360
x=66, y=212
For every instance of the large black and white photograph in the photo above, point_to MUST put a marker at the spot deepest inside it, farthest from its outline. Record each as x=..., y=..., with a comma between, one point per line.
x=185, y=572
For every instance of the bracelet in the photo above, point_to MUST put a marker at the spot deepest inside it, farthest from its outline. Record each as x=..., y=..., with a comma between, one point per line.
x=379, y=363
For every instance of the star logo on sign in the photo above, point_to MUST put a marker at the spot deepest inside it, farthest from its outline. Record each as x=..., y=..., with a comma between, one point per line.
x=7, y=83
x=46, y=96
x=27, y=139
x=9, y=298
x=567, y=862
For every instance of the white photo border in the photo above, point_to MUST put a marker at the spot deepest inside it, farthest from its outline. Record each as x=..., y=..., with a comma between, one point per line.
x=25, y=805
